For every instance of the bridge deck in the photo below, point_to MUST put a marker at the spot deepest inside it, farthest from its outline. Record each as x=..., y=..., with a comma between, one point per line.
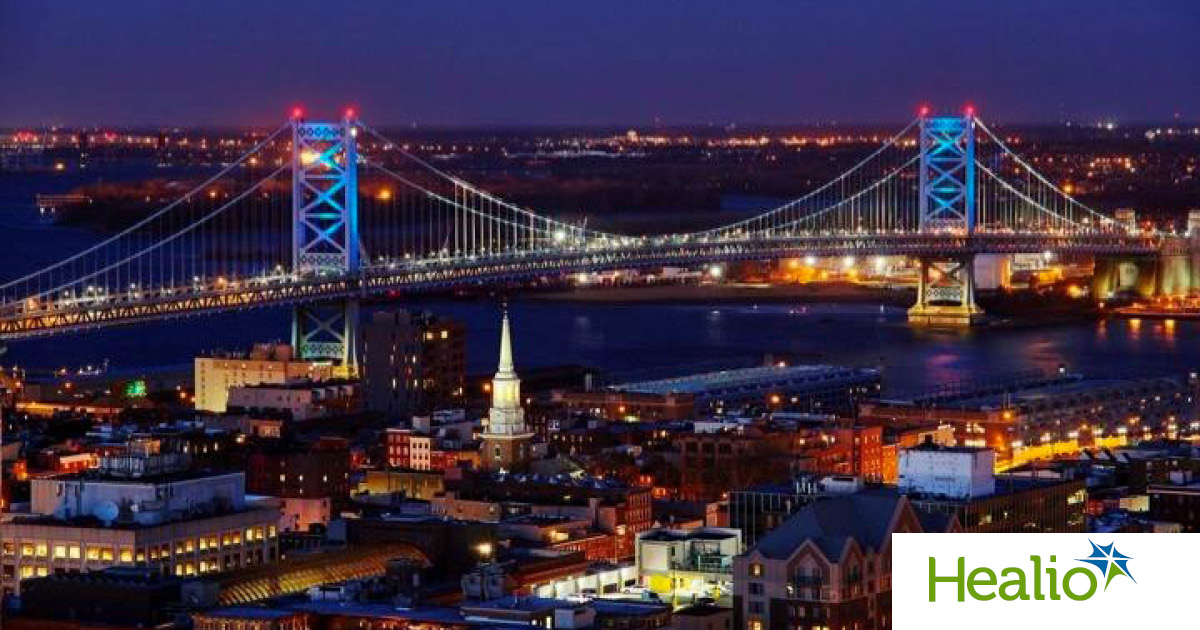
x=20, y=320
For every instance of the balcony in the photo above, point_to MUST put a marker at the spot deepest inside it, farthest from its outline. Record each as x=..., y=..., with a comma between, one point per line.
x=704, y=563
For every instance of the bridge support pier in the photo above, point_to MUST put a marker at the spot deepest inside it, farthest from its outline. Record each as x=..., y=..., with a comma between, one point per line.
x=946, y=294
x=1115, y=276
x=328, y=331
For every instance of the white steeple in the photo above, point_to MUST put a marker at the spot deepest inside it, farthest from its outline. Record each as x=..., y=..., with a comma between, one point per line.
x=506, y=360
x=506, y=416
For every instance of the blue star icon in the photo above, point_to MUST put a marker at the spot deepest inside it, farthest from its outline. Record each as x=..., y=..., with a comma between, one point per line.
x=1110, y=562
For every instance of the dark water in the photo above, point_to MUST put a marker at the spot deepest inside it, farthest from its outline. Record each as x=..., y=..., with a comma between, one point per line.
x=628, y=339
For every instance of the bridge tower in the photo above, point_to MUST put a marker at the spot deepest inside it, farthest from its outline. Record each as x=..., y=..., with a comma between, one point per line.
x=325, y=240
x=946, y=286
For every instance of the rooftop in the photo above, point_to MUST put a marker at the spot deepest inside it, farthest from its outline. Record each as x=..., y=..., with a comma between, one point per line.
x=933, y=447
x=99, y=476
x=250, y=612
x=702, y=610
x=88, y=521
x=1048, y=392
x=528, y=604
x=701, y=383
x=699, y=533
x=301, y=384
x=832, y=522
x=543, y=519
x=428, y=614
x=627, y=607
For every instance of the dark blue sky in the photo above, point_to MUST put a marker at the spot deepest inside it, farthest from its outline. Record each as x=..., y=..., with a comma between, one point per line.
x=478, y=62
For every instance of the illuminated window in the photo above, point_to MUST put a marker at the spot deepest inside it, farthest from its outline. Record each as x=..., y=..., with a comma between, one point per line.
x=93, y=553
x=756, y=624
x=73, y=552
x=60, y=552
x=43, y=550
x=756, y=569
x=26, y=572
x=126, y=554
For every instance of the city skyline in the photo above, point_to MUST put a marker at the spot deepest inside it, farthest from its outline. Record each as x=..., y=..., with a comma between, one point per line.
x=672, y=315
x=540, y=64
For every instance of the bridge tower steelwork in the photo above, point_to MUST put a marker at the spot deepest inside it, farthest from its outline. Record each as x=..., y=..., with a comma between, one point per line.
x=325, y=239
x=946, y=286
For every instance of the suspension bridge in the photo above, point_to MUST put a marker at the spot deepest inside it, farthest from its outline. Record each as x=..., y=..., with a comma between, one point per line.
x=320, y=215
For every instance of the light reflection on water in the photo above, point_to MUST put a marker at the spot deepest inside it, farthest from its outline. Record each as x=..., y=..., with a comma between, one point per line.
x=632, y=338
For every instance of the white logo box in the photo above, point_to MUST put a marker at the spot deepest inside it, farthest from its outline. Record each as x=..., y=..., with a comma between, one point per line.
x=1166, y=593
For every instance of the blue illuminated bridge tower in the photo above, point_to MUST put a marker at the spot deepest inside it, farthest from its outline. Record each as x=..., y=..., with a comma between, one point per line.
x=325, y=236
x=946, y=284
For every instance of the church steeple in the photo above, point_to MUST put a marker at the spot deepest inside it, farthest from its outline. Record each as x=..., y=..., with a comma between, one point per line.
x=506, y=438
x=506, y=356
x=506, y=386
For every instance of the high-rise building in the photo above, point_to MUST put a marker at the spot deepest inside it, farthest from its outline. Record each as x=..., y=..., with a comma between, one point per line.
x=506, y=438
x=413, y=363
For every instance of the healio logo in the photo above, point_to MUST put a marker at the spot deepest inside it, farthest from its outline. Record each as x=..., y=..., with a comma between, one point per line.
x=1037, y=580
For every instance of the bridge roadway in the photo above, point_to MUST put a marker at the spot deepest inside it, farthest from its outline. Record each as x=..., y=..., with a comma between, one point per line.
x=49, y=317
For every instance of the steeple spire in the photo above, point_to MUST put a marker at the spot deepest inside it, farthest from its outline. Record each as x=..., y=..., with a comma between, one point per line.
x=505, y=436
x=506, y=356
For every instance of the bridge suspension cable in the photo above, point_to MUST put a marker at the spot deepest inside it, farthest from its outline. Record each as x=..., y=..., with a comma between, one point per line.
x=419, y=223
x=887, y=205
x=463, y=218
x=227, y=229
x=1014, y=196
x=846, y=191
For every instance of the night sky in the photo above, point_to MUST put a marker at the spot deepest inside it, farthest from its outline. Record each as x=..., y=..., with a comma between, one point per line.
x=620, y=62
